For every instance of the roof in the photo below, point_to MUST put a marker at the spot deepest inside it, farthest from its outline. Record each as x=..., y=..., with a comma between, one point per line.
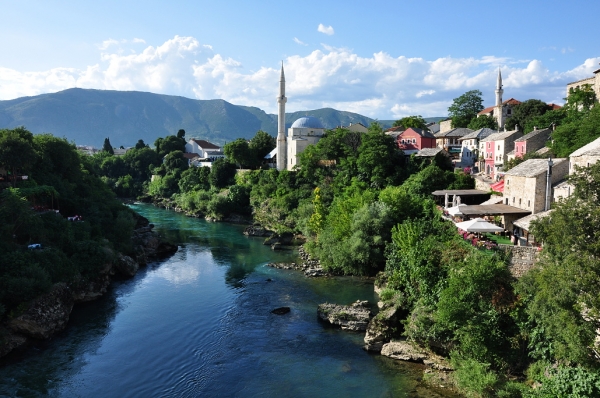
x=495, y=199
x=479, y=134
x=433, y=127
x=532, y=167
x=593, y=148
x=525, y=222
x=462, y=192
x=543, y=151
x=188, y=155
x=271, y=154
x=532, y=134
x=205, y=144
x=428, y=152
x=308, y=122
x=500, y=135
x=491, y=210
x=498, y=186
x=456, y=132
x=510, y=101
x=421, y=132
x=554, y=106
x=395, y=129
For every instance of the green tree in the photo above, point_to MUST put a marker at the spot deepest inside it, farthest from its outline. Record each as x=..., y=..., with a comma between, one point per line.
x=411, y=121
x=465, y=108
x=378, y=158
x=222, y=173
x=261, y=144
x=140, y=144
x=181, y=134
x=166, y=145
x=16, y=150
x=524, y=112
x=483, y=121
x=238, y=152
x=107, y=147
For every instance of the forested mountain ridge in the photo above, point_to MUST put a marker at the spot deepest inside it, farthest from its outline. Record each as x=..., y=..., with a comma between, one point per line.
x=88, y=116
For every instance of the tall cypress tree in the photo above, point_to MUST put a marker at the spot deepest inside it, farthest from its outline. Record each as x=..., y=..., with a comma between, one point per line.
x=108, y=147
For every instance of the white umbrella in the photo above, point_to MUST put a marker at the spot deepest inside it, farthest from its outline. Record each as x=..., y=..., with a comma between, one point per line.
x=478, y=225
x=455, y=211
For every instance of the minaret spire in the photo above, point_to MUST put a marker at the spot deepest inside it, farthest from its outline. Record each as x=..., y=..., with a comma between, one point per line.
x=281, y=140
x=499, y=111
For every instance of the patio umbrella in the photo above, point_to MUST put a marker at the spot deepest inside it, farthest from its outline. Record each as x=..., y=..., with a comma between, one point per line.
x=455, y=211
x=478, y=225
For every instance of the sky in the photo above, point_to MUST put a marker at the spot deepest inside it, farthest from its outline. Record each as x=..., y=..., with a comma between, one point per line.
x=382, y=59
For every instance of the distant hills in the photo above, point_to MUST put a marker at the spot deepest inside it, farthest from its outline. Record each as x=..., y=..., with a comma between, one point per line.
x=88, y=116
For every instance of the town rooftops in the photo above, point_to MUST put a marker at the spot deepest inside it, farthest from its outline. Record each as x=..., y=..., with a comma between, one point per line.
x=499, y=136
x=205, y=144
x=533, y=134
x=433, y=127
x=591, y=149
x=456, y=132
x=429, y=152
x=532, y=167
x=479, y=134
x=421, y=132
x=525, y=222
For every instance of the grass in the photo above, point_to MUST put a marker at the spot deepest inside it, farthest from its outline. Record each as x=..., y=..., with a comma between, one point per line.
x=502, y=240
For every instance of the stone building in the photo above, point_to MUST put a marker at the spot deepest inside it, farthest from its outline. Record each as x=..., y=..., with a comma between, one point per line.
x=449, y=140
x=593, y=81
x=413, y=139
x=526, y=185
x=531, y=142
x=303, y=132
x=470, y=146
x=585, y=156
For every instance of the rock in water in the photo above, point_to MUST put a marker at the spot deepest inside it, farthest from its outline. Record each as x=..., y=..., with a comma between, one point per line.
x=46, y=315
x=281, y=310
x=349, y=317
x=126, y=266
x=383, y=327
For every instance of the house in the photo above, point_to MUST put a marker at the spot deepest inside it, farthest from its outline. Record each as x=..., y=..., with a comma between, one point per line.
x=494, y=150
x=526, y=186
x=531, y=142
x=593, y=82
x=205, y=150
x=356, y=127
x=191, y=158
x=470, y=146
x=413, y=139
x=449, y=140
x=433, y=127
x=585, y=156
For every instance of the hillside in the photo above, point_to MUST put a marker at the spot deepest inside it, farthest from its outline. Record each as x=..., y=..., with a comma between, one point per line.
x=88, y=116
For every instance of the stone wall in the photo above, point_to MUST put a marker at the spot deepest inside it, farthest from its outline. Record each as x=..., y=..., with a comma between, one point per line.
x=582, y=161
x=522, y=258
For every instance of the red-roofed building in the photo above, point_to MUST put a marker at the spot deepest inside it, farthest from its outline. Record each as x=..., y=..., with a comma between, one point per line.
x=413, y=139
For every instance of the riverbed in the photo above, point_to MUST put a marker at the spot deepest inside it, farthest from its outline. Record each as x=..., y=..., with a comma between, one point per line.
x=199, y=324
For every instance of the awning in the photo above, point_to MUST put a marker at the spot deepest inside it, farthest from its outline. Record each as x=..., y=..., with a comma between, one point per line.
x=498, y=187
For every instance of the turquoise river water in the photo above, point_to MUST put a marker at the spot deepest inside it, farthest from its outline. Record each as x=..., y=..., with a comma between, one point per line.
x=199, y=324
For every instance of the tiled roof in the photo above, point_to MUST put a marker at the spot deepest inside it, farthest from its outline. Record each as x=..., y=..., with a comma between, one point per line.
x=188, y=155
x=457, y=132
x=532, y=134
x=205, y=144
x=500, y=135
x=428, y=152
x=532, y=167
x=510, y=101
x=479, y=134
x=421, y=132
x=593, y=148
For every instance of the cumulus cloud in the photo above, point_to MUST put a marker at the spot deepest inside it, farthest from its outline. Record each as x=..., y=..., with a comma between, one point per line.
x=380, y=86
x=328, y=30
x=298, y=41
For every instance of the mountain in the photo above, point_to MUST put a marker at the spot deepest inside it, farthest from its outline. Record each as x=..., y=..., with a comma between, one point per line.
x=88, y=116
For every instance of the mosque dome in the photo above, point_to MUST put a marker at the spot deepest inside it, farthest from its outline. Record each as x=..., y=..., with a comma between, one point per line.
x=309, y=122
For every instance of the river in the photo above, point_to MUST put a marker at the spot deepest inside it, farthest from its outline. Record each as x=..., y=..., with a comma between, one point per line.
x=199, y=324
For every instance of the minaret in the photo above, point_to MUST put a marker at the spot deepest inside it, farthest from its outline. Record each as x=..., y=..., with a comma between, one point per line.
x=281, y=140
x=499, y=92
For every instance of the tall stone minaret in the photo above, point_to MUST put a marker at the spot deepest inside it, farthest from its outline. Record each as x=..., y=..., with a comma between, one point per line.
x=499, y=111
x=281, y=140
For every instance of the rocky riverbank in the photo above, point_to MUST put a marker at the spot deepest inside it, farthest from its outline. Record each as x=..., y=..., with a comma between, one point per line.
x=48, y=314
x=310, y=267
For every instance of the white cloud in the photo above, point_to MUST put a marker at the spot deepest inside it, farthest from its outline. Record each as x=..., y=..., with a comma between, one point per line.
x=298, y=41
x=328, y=30
x=380, y=86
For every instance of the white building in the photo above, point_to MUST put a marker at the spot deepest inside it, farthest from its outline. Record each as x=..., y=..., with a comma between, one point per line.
x=303, y=132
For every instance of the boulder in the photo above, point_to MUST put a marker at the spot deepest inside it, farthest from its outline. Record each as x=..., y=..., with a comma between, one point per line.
x=46, y=314
x=281, y=310
x=126, y=266
x=10, y=341
x=91, y=290
x=383, y=327
x=407, y=351
x=353, y=317
x=257, y=230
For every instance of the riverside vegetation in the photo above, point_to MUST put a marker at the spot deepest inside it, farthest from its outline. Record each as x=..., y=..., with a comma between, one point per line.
x=365, y=209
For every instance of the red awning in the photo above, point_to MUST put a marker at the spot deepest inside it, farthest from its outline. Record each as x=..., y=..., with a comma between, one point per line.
x=498, y=187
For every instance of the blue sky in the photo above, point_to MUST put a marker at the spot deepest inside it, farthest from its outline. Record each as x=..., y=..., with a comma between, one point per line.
x=383, y=59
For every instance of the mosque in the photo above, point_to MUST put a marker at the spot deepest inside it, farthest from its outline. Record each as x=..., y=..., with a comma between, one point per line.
x=303, y=132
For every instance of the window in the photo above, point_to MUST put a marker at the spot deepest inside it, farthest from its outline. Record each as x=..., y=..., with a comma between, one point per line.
x=498, y=147
x=414, y=140
x=529, y=203
x=489, y=145
x=519, y=201
x=513, y=200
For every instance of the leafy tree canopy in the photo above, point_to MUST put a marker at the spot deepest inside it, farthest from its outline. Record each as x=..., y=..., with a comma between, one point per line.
x=465, y=108
x=483, y=121
x=411, y=121
x=524, y=112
